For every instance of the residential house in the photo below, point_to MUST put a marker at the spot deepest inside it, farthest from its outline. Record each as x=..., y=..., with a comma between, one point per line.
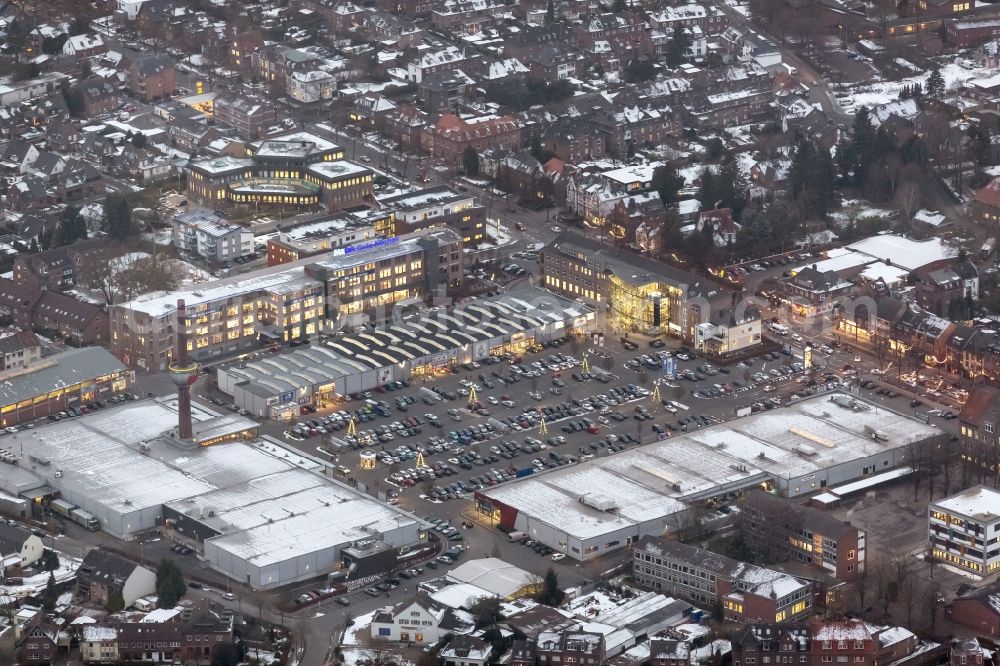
x=99, y=645
x=19, y=546
x=769, y=177
x=966, y=652
x=18, y=349
x=79, y=323
x=151, y=77
x=84, y=46
x=274, y=63
x=58, y=268
x=630, y=213
x=99, y=96
x=979, y=610
x=986, y=203
x=250, y=118
x=41, y=642
x=466, y=651
x=720, y=221
x=407, y=8
x=768, y=643
x=103, y=575
x=204, y=233
x=421, y=621
x=669, y=652
x=435, y=61
x=448, y=138
x=311, y=85
x=941, y=290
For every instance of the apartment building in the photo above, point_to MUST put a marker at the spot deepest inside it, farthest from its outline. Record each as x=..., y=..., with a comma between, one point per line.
x=822, y=642
x=206, y=234
x=964, y=530
x=248, y=117
x=311, y=85
x=288, y=302
x=778, y=529
x=747, y=593
x=565, y=645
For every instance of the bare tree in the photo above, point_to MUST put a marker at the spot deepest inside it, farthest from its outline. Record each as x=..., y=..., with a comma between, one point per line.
x=909, y=597
x=931, y=601
x=124, y=277
x=883, y=576
x=908, y=199
x=861, y=588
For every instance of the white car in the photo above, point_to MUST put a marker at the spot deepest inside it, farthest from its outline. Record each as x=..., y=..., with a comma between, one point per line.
x=556, y=228
x=492, y=400
x=756, y=267
x=558, y=556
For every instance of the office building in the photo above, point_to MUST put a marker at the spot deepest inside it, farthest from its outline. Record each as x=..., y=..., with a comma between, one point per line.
x=747, y=593
x=634, y=292
x=778, y=529
x=297, y=170
x=964, y=530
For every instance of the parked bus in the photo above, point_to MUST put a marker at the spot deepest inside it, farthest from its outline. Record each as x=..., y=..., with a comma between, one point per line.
x=987, y=248
x=780, y=329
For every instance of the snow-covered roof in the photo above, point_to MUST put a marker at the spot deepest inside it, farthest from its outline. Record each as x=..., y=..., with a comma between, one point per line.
x=904, y=252
x=979, y=503
x=657, y=480
x=492, y=574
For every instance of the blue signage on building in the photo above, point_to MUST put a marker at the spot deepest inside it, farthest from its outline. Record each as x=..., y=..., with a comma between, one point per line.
x=371, y=245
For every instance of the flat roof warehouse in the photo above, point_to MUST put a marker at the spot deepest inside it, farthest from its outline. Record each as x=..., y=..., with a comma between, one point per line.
x=265, y=514
x=606, y=503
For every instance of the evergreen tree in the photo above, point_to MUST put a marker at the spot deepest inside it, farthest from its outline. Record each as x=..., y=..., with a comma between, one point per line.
x=50, y=560
x=677, y=48
x=550, y=594
x=115, y=603
x=667, y=183
x=169, y=584
x=118, y=216
x=935, y=84
x=619, y=6
x=51, y=595
x=798, y=173
x=550, y=12
x=470, y=160
x=34, y=246
x=71, y=227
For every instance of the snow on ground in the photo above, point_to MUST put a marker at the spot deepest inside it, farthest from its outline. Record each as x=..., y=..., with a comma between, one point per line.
x=706, y=652
x=361, y=625
x=35, y=584
x=860, y=210
x=884, y=92
x=592, y=604
x=263, y=657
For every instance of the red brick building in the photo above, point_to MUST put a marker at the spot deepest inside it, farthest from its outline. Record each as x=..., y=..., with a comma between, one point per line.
x=967, y=32
x=777, y=529
x=408, y=8
x=152, y=77
x=979, y=610
x=448, y=138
